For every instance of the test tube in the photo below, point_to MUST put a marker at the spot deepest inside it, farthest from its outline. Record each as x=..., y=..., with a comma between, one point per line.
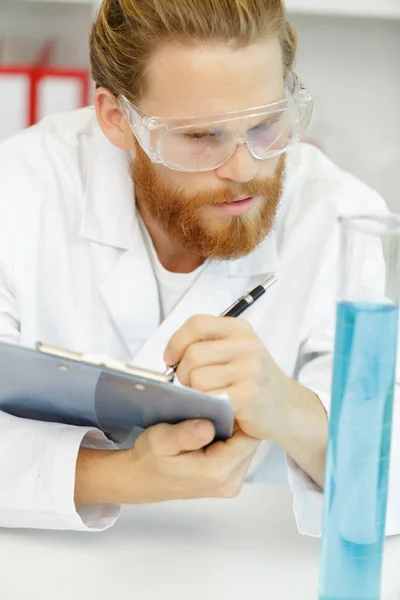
x=358, y=453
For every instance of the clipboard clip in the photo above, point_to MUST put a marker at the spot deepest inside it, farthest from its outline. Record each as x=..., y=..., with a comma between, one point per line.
x=103, y=361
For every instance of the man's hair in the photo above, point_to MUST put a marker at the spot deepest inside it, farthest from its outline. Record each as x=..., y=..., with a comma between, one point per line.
x=127, y=32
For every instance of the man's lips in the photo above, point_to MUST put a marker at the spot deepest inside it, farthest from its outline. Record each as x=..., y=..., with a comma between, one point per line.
x=238, y=207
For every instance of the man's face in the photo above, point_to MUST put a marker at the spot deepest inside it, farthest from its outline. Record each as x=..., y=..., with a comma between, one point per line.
x=198, y=211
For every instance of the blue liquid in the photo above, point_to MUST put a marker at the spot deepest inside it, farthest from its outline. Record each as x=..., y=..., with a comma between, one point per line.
x=357, y=469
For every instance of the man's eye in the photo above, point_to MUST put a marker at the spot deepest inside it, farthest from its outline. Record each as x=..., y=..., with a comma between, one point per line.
x=202, y=135
x=266, y=125
x=261, y=127
x=198, y=136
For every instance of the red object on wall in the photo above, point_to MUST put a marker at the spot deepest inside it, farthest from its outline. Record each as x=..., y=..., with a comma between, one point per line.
x=36, y=74
x=41, y=70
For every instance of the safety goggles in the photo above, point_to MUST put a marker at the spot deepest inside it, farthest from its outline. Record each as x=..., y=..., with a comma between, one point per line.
x=198, y=144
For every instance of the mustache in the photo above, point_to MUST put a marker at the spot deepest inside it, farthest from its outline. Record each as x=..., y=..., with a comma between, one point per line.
x=257, y=187
x=232, y=192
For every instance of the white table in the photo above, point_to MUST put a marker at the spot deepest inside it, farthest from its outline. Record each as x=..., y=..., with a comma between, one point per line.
x=246, y=548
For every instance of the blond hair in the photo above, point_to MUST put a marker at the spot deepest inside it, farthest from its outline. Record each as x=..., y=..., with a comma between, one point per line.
x=127, y=32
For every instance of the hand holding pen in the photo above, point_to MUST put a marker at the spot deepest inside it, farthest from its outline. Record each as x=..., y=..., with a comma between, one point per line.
x=226, y=357
x=242, y=304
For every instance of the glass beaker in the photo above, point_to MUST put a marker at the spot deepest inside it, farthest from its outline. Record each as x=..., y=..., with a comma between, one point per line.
x=358, y=454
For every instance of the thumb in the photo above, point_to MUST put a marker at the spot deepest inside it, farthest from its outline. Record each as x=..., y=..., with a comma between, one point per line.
x=172, y=440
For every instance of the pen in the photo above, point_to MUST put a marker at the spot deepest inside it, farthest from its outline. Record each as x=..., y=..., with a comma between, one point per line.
x=242, y=304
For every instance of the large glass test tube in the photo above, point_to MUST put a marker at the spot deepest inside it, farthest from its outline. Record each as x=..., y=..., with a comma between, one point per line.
x=357, y=467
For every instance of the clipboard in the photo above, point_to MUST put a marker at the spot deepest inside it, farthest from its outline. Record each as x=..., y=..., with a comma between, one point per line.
x=57, y=385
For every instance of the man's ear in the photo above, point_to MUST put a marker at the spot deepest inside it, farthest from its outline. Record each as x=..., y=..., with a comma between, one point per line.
x=111, y=120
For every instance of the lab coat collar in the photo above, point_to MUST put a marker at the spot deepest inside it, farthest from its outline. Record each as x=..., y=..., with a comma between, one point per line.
x=109, y=214
x=110, y=218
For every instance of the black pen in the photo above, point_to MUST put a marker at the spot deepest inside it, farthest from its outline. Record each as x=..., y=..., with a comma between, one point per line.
x=239, y=307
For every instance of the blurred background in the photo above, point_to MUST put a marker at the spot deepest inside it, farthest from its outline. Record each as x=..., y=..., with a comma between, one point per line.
x=348, y=56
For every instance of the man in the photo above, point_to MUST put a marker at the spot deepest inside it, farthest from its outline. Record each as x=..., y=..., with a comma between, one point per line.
x=127, y=230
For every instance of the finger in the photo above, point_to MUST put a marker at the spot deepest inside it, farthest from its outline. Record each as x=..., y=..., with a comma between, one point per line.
x=236, y=427
x=216, y=352
x=202, y=328
x=241, y=471
x=172, y=440
x=237, y=449
x=209, y=378
x=240, y=394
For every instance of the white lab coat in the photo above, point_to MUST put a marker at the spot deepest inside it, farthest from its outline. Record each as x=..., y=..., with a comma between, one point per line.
x=74, y=272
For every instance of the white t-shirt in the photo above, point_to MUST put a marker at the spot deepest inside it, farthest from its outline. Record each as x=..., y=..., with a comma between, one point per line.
x=171, y=286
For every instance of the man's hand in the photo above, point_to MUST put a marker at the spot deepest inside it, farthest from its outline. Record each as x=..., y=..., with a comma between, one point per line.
x=224, y=355
x=168, y=462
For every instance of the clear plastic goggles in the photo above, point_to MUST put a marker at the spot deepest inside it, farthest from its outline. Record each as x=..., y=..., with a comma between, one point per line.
x=206, y=143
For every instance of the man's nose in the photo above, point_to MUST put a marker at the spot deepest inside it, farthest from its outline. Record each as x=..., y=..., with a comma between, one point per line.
x=241, y=167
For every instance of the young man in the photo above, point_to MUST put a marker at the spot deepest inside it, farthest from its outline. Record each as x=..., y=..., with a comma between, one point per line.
x=127, y=229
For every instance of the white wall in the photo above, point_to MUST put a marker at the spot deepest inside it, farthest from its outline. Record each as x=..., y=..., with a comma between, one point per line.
x=352, y=68
x=69, y=23
x=350, y=65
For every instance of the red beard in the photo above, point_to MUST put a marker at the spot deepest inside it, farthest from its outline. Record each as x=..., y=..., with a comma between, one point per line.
x=180, y=215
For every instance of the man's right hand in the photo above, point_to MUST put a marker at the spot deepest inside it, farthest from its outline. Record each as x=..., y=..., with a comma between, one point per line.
x=168, y=462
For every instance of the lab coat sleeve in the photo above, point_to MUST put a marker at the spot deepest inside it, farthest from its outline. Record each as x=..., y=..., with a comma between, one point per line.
x=37, y=471
x=38, y=460
x=316, y=374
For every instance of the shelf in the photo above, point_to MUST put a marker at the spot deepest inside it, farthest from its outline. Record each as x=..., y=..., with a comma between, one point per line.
x=361, y=8
x=387, y=9
x=87, y=2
